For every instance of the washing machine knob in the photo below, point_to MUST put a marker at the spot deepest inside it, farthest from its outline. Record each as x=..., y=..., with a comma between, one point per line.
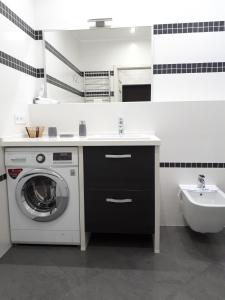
x=40, y=158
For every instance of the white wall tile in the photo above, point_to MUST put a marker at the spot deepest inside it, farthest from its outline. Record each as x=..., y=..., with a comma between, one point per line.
x=17, y=90
x=188, y=87
x=24, y=9
x=189, y=47
x=20, y=45
x=142, y=12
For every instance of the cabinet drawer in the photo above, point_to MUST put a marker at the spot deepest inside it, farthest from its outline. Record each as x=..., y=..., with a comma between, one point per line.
x=119, y=211
x=119, y=167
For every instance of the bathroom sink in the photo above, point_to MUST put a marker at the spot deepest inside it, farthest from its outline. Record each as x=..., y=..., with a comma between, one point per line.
x=110, y=137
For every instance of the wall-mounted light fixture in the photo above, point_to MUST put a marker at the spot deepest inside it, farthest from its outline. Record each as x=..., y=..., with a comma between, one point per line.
x=100, y=23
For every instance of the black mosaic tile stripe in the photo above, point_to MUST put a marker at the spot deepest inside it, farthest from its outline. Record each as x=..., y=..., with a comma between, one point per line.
x=2, y=177
x=38, y=35
x=191, y=165
x=193, y=27
x=63, y=85
x=98, y=73
x=206, y=67
x=99, y=93
x=61, y=57
x=19, y=65
x=14, y=18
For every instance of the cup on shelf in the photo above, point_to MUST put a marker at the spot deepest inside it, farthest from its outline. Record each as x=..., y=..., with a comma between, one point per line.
x=52, y=131
x=35, y=132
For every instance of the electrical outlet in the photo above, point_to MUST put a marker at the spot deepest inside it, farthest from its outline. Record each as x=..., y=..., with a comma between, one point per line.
x=20, y=118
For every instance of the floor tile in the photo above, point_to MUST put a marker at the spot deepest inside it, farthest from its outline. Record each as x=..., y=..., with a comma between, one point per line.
x=190, y=266
x=210, y=284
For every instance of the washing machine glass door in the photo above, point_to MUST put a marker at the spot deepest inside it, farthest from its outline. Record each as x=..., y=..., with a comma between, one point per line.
x=42, y=195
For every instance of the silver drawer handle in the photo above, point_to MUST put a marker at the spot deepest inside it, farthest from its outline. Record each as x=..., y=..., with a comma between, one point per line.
x=118, y=200
x=118, y=156
x=18, y=159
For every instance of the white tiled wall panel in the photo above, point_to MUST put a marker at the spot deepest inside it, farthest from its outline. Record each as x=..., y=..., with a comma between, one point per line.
x=124, y=13
x=17, y=90
x=20, y=45
x=189, y=87
x=24, y=9
x=189, y=47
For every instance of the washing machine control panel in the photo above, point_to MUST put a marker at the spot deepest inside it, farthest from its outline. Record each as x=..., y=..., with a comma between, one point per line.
x=40, y=158
x=62, y=156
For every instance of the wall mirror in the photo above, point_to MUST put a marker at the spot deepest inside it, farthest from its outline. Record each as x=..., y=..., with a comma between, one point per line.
x=99, y=65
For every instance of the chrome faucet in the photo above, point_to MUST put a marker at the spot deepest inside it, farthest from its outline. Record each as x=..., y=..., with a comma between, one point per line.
x=201, y=181
x=121, y=126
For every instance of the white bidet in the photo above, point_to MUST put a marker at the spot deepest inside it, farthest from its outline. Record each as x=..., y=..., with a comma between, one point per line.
x=203, y=209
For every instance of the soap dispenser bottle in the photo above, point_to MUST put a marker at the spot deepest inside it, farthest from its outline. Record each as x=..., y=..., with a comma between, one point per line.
x=82, y=128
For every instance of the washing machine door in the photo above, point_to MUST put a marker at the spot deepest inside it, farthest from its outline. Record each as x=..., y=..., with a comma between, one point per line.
x=42, y=195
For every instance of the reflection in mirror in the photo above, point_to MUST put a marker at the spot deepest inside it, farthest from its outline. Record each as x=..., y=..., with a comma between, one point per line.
x=99, y=65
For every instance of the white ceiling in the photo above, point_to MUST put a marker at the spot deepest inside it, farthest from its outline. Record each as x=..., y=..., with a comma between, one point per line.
x=104, y=34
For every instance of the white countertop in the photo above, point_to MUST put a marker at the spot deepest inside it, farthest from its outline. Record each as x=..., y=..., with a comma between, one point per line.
x=94, y=140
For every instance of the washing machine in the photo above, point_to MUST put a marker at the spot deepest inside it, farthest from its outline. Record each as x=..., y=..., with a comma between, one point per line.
x=43, y=194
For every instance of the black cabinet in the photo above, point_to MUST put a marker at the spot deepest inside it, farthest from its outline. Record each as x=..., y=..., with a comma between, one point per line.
x=119, y=189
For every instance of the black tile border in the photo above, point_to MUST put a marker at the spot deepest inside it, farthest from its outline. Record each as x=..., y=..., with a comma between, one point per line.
x=19, y=65
x=181, y=68
x=192, y=27
x=14, y=18
x=61, y=57
x=192, y=165
x=98, y=73
x=2, y=177
x=98, y=94
x=64, y=86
